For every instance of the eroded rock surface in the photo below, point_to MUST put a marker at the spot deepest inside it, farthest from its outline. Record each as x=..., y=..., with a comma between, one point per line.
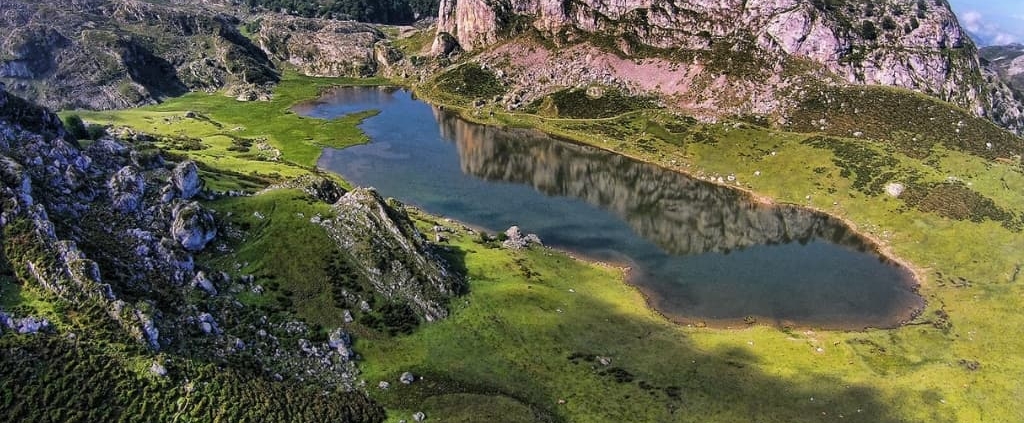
x=396, y=258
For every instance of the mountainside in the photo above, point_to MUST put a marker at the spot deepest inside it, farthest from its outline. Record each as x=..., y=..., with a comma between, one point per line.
x=135, y=254
x=720, y=58
x=107, y=54
x=1008, y=60
x=118, y=53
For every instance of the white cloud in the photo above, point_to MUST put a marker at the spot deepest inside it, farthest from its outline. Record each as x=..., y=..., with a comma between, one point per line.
x=987, y=32
x=971, y=20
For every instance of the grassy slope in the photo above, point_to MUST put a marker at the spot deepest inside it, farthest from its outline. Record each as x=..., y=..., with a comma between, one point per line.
x=284, y=250
x=968, y=267
x=505, y=351
x=221, y=118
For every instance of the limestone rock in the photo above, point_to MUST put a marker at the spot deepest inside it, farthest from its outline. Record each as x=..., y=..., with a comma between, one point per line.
x=186, y=180
x=158, y=369
x=204, y=283
x=407, y=378
x=368, y=228
x=127, y=188
x=193, y=227
x=895, y=189
x=322, y=47
x=321, y=188
x=341, y=341
x=516, y=240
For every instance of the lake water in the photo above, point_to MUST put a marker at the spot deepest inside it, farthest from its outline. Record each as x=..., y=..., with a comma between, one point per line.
x=700, y=252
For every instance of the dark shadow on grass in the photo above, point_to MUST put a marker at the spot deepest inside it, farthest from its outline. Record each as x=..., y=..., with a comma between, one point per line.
x=651, y=365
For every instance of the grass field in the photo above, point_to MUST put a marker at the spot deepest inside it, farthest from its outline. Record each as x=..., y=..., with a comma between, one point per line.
x=221, y=122
x=527, y=342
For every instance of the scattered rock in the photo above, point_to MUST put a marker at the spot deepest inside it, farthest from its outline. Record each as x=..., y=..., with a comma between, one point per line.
x=24, y=325
x=407, y=378
x=341, y=341
x=204, y=283
x=208, y=324
x=419, y=416
x=127, y=188
x=158, y=369
x=971, y=365
x=516, y=240
x=895, y=189
x=383, y=385
x=186, y=180
x=193, y=227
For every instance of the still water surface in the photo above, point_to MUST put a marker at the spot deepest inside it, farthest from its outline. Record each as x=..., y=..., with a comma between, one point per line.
x=700, y=252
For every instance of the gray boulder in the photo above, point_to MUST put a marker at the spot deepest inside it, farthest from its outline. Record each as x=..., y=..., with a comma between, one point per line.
x=516, y=240
x=407, y=378
x=341, y=341
x=186, y=180
x=204, y=283
x=127, y=188
x=193, y=227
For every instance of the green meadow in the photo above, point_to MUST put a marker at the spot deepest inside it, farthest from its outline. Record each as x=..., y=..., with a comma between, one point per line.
x=543, y=336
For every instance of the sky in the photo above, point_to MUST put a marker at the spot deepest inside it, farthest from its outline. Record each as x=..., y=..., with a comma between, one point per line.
x=992, y=22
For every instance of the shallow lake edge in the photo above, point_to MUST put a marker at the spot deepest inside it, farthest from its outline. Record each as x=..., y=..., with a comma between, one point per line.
x=916, y=274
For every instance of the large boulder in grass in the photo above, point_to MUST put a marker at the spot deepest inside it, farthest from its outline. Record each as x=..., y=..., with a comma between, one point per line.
x=193, y=226
x=186, y=180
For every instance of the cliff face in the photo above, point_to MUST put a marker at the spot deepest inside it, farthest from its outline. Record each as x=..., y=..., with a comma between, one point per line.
x=319, y=47
x=914, y=45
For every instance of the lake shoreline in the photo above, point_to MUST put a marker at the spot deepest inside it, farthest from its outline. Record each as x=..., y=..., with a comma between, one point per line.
x=878, y=247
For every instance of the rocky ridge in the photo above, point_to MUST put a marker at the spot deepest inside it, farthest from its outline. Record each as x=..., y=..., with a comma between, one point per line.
x=102, y=54
x=1008, y=61
x=721, y=58
x=397, y=259
x=106, y=54
x=115, y=226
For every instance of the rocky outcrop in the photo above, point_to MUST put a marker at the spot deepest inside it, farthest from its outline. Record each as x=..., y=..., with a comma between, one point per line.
x=89, y=225
x=192, y=227
x=516, y=240
x=392, y=254
x=321, y=47
x=101, y=54
x=127, y=188
x=185, y=179
x=717, y=58
x=318, y=187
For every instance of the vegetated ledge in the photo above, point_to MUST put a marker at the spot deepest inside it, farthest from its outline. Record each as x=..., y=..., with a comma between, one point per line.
x=872, y=244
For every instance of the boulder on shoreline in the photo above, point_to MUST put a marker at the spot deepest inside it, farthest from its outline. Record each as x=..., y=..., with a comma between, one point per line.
x=516, y=240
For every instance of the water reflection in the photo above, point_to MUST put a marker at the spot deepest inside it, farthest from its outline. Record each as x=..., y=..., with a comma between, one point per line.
x=699, y=251
x=680, y=214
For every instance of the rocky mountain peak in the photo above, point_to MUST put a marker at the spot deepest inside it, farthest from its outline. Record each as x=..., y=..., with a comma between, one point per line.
x=917, y=45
